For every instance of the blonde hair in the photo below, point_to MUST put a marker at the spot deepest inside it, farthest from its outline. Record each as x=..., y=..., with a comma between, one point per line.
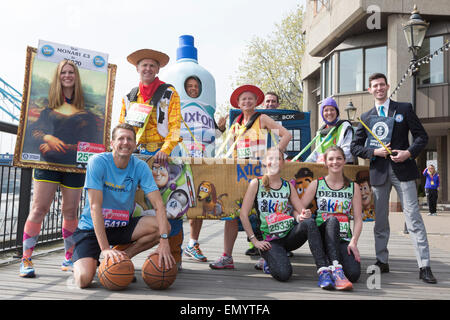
x=55, y=93
x=265, y=177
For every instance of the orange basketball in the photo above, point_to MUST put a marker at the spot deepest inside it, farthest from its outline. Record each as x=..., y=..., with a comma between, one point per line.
x=116, y=275
x=155, y=277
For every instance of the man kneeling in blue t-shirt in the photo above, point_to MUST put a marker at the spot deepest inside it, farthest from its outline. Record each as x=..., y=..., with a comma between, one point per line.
x=111, y=182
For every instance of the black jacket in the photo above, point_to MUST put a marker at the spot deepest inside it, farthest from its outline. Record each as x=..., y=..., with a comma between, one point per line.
x=405, y=121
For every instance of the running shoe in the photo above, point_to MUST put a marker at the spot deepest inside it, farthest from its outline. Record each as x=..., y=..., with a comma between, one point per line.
x=260, y=264
x=67, y=265
x=252, y=252
x=266, y=268
x=325, y=279
x=195, y=253
x=340, y=280
x=223, y=262
x=27, y=268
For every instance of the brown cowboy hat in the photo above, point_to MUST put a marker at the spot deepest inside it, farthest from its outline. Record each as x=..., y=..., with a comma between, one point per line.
x=135, y=57
x=247, y=87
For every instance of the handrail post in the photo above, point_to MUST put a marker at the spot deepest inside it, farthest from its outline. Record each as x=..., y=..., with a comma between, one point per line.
x=24, y=207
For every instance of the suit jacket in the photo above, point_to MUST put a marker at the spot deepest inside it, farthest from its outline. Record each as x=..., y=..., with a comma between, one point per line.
x=405, y=120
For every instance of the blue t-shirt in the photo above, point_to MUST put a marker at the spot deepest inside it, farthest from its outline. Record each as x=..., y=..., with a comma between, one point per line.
x=118, y=185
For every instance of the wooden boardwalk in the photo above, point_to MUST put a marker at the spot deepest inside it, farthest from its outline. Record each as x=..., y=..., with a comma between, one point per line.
x=198, y=282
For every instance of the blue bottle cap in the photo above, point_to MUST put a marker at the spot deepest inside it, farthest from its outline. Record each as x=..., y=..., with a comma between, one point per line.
x=186, y=49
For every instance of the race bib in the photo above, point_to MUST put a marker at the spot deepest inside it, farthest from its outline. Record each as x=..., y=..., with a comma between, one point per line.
x=344, y=223
x=196, y=150
x=115, y=218
x=279, y=225
x=243, y=149
x=137, y=114
x=85, y=150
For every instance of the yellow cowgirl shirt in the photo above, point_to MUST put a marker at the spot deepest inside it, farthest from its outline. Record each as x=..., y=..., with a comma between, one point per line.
x=252, y=143
x=151, y=133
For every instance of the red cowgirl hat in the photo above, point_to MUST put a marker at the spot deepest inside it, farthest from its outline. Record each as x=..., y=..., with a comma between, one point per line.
x=247, y=87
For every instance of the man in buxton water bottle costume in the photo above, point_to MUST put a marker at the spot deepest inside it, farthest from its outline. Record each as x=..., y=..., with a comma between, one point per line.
x=196, y=87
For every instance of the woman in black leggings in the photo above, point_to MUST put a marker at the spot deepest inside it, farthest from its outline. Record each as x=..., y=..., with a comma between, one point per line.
x=336, y=196
x=278, y=231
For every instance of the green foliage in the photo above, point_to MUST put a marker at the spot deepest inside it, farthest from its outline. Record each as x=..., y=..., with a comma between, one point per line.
x=273, y=63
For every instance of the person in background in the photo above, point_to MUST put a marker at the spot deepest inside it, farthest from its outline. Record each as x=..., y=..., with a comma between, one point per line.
x=341, y=136
x=271, y=100
x=431, y=188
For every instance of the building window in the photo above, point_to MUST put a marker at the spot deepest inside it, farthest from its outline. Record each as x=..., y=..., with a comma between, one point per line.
x=319, y=4
x=295, y=143
x=351, y=70
x=374, y=62
x=327, y=77
x=355, y=67
x=432, y=72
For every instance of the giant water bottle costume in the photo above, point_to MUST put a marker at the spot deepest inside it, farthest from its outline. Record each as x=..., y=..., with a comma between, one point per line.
x=197, y=110
x=197, y=90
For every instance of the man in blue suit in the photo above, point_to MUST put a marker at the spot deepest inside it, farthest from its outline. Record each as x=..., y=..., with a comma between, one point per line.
x=398, y=169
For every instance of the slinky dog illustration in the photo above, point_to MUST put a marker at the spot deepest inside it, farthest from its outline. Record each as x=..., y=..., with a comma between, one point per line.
x=212, y=204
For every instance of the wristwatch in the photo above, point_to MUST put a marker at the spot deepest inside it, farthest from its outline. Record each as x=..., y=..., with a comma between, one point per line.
x=164, y=236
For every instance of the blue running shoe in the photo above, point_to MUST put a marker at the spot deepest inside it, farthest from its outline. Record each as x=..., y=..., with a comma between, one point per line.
x=27, y=268
x=67, y=265
x=195, y=253
x=340, y=280
x=325, y=279
x=266, y=268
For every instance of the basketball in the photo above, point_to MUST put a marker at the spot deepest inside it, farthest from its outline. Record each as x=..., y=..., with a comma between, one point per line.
x=116, y=275
x=155, y=277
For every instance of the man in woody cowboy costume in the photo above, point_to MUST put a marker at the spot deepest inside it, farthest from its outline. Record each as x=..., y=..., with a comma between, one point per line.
x=159, y=129
x=153, y=108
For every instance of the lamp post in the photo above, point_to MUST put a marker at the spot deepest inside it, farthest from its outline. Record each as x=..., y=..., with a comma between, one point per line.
x=414, y=30
x=351, y=111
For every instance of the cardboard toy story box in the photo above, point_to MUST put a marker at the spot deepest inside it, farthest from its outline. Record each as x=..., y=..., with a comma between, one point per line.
x=206, y=188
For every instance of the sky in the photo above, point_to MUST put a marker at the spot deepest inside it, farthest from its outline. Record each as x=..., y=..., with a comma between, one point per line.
x=221, y=28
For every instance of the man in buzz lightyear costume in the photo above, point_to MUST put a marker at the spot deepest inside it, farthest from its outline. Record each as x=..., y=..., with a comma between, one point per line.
x=176, y=185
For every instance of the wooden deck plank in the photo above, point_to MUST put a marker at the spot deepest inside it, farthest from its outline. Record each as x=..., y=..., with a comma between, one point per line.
x=198, y=282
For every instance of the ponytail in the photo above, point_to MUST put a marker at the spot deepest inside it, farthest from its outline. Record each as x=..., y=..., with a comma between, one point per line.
x=265, y=182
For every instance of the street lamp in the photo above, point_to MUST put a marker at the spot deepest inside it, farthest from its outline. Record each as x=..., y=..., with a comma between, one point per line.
x=415, y=30
x=351, y=111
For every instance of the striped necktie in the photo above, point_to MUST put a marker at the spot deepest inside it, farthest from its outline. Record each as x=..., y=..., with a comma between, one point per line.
x=382, y=114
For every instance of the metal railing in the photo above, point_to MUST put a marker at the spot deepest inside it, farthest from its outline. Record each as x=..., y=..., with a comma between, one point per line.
x=15, y=201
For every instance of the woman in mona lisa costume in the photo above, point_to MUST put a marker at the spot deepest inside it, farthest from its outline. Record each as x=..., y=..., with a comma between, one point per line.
x=56, y=133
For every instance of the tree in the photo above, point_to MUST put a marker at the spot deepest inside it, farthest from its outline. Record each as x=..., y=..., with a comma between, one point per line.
x=274, y=63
